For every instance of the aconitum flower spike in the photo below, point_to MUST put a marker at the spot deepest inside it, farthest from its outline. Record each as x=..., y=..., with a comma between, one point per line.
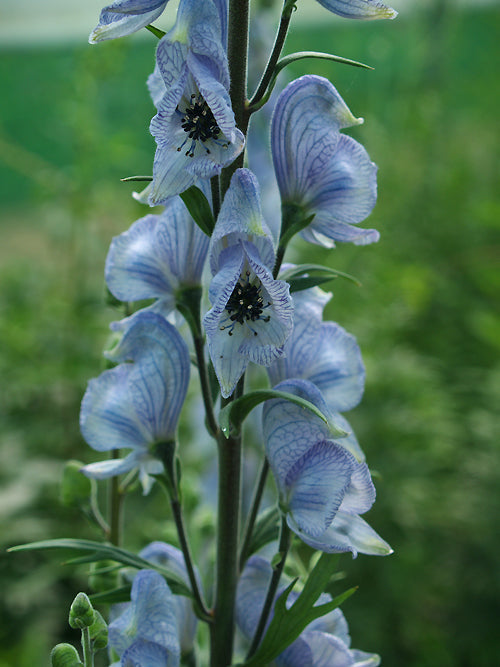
x=194, y=128
x=137, y=405
x=322, y=487
x=146, y=633
x=123, y=17
x=251, y=314
x=157, y=257
x=321, y=172
x=325, y=642
x=322, y=352
x=359, y=9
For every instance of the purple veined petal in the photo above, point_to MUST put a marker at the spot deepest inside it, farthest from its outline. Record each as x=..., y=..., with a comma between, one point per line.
x=111, y=467
x=305, y=341
x=334, y=623
x=359, y=9
x=107, y=416
x=150, y=617
x=228, y=364
x=304, y=130
x=290, y=431
x=360, y=494
x=223, y=10
x=337, y=369
x=160, y=553
x=123, y=17
x=156, y=86
x=344, y=233
x=251, y=593
x=142, y=652
x=271, y=331
x=317, y=649
x=316, y=485
x=347, y=532
x=135, y=269
x=240, y=218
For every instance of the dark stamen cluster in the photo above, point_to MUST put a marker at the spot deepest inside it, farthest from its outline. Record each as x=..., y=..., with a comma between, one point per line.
x=245, y=304
x=198, y=121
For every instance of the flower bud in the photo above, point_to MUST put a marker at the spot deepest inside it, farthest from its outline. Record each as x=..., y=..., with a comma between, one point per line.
x=99, y=631
x=81, y=613
x=65, y=655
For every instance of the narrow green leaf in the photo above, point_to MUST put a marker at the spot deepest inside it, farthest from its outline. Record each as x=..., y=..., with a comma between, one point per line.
x=199, y=208
x=233, y=415
x=113, y=596
x=300, y=55
x=156, y=31
x=287, y=624
x=312, y=272
x=136, y=178
x=99, y=551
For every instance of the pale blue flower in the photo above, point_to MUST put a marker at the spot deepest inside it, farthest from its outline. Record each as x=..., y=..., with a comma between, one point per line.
x=251, y=314
x=157, y=257
x=325, y=642
x=146, y=633
x=194, y=128
x=165, y=555
x=359, y=9
x=137, y=405
x=322, y=486
x=320, y=171
x=322, y=352
x=123, y=17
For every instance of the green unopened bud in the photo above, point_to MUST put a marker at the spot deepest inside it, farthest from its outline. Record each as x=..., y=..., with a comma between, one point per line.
x=76, y=489
x=99, y=631
x=65, y=655
x=81, y=614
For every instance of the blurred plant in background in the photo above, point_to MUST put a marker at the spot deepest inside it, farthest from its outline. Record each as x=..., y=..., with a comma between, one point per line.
x=425, y=318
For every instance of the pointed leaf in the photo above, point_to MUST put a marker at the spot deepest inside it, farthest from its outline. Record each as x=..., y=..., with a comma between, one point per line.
x=113, y=596
x=199, y=208
x=233, y=415
x=299, y=275
x=266, y=529
x=99, y=551
x=287, y=624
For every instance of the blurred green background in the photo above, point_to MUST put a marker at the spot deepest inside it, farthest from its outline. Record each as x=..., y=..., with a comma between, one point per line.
x=73, y=121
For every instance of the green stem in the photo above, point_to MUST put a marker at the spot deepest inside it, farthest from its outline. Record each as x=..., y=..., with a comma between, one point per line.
x=215, y=184
x=284, y=547
x=88, y=655
x=115, y=506
x=228, y=514
x=279, y=42
x=252, y=517
x=237, y=53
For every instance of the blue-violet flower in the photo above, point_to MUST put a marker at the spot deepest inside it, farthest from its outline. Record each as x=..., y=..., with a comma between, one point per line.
x=123, y=17
x=194, y=128
x=321, y=172
x=322, y=487
x=359, y=9
x=137, y=405
x=251, y=315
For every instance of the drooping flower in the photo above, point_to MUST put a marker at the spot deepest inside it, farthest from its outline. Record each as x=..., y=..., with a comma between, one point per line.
x=137, y=405
x=322, y=487
x=325, y=642
x=123, y=17
x=194, y=128
x=322, y=352
x=251, y=314
x=165, y=555
x=157, y=257
x=359, y=9
x=146, y=633
x=321, y=172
